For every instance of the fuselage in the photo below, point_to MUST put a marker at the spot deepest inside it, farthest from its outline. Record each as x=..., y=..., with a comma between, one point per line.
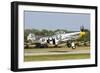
x=56, y=39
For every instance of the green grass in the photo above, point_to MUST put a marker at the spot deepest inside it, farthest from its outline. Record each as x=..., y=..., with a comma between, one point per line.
x=56, y=57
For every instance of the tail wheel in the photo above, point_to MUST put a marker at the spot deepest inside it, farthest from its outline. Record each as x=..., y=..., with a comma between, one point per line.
x=73, y=47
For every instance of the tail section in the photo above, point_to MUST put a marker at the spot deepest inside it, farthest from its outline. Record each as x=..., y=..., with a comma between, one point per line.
x=31, y=37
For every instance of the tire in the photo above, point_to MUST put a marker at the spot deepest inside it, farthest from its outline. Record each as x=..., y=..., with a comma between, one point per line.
x=74, y=47
x=68, y=45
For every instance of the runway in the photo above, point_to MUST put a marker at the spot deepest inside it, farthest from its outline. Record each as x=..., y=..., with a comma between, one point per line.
x=55, y=51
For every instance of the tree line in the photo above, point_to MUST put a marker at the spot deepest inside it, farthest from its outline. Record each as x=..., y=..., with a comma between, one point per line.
x=45, y=32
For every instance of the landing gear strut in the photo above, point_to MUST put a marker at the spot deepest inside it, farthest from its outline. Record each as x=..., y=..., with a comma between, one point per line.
x=73, y=45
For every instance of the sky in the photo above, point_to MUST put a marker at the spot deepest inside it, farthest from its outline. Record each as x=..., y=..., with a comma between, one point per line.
x=56, y=20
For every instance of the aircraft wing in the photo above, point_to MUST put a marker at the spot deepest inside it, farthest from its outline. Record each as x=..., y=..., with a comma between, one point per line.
x=70, y=36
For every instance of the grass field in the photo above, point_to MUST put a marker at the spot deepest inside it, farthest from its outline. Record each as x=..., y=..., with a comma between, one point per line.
x=56, y=57
x=28, y=58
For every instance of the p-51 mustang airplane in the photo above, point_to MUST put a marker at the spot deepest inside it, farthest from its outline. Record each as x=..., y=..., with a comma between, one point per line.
x=57, y=39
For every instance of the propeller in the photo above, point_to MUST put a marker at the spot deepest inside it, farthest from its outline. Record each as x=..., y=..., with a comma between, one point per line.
x=82, y=28
x=82, y=32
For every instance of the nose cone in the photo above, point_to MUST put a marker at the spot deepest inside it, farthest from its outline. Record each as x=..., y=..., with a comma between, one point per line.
x=82, y=34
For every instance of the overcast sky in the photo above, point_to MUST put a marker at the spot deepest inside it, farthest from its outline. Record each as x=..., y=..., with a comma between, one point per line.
x=53, y=20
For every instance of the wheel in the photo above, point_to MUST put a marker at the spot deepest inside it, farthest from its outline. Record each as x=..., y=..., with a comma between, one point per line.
x=73, y=47
x=68, y=45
